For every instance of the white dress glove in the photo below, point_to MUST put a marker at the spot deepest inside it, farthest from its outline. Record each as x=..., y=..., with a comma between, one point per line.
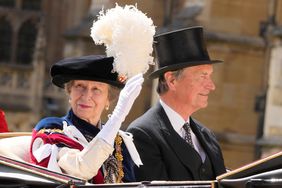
x=126, y=99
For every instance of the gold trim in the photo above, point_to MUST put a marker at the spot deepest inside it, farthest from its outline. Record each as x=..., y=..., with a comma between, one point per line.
x=248, y=166
x=49, y=131
x=119, y=157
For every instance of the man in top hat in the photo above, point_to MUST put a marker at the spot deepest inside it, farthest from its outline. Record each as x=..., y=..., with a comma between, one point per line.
x=172, y=145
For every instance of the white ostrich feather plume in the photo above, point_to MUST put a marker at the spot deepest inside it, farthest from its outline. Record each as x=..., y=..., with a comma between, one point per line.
x=127, y=34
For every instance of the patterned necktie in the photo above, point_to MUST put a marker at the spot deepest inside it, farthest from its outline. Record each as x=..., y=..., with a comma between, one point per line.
x=187, y=135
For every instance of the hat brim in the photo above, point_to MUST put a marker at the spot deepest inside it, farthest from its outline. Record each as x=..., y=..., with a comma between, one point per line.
x=174, y=67
x=60, y=80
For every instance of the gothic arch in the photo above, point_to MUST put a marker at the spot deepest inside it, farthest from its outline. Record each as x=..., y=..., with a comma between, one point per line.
x=5, y=40
x=26, y=42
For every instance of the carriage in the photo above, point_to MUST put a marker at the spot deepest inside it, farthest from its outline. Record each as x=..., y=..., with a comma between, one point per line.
x=16, y=171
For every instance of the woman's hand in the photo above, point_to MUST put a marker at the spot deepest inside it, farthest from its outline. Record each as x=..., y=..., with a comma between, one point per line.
x=127, y=96
x=126, y=99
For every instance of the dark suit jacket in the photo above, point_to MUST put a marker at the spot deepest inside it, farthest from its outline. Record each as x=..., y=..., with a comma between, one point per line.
x=165, y=155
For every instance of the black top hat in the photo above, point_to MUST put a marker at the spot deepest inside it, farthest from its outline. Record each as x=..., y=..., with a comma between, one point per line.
x=93, y=67
x=179, y=49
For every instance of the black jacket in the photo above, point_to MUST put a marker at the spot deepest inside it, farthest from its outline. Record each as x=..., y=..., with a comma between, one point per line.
x=165, y=155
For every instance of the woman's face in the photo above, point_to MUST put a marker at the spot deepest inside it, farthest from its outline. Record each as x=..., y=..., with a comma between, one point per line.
x=88, y=99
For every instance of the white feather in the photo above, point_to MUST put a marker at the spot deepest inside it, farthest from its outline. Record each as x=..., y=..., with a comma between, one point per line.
x=127, y=34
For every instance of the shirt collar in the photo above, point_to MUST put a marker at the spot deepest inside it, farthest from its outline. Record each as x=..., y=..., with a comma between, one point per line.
x=175, y=119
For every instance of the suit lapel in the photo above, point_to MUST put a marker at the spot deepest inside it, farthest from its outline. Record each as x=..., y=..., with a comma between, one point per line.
x=185, y=153
x=211, y=151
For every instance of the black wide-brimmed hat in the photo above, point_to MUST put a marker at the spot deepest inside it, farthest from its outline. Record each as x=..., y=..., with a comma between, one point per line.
x=93, y=67
x=179, y=49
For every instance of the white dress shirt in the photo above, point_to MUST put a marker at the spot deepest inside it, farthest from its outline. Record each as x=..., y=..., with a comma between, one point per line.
x=177, y=123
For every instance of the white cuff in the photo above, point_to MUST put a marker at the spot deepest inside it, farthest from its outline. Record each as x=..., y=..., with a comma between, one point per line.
x=86, y=163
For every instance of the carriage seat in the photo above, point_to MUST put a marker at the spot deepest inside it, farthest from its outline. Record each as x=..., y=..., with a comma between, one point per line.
x=16, y=148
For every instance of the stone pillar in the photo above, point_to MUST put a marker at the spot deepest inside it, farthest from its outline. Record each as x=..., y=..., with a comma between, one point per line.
x=272, y=138
x=38, y=76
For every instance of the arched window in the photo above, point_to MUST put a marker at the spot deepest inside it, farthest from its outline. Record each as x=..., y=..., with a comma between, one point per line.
x=31, y=5
x=7, y=3
x=5, y=40
x=26, y=42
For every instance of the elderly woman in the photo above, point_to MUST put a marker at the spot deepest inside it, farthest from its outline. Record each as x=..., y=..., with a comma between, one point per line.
x=74, y=144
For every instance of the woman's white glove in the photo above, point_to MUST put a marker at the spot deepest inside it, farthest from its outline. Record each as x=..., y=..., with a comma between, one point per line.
x=126, y=99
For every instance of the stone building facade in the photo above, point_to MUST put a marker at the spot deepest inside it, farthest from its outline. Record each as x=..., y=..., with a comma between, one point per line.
x=245, y=34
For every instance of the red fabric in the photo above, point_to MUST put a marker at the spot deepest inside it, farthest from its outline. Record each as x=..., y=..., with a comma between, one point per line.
x=52, y=138
x=99, y=178
x=58, y=138
x=3, y=123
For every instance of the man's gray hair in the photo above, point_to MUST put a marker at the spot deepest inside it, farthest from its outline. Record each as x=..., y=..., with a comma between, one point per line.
x=162, y=84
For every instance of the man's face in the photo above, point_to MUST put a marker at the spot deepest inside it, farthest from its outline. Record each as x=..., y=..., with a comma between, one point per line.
x=193, y=86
